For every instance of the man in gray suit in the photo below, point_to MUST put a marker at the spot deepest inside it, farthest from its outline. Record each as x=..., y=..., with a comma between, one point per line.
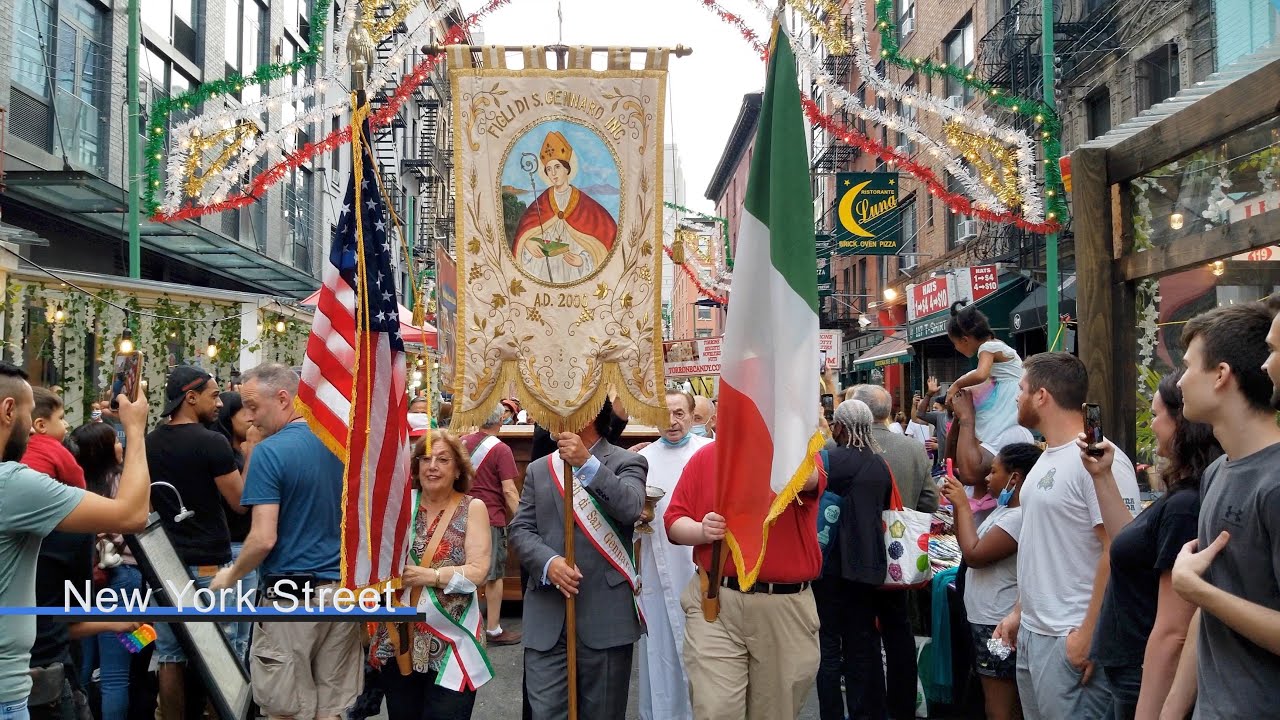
x=605, y=607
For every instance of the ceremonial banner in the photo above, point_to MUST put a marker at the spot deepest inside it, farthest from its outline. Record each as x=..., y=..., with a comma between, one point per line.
x=868, y=221
x=446, y=313
x=559, y=227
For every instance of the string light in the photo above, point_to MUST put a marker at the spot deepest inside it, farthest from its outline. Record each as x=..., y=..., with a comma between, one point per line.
x=59, y=315
x=279, y=326
x=126, y=342
x=1002, y=179
x=1175, y=221
x=212, y=349
x=1219, y=268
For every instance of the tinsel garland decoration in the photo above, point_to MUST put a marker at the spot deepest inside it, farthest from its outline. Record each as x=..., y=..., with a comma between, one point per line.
x=231, y=84
x=1042, y=114
x=698, y=283
x=979, y=151
x=723, y=223
x=976, y=122
x=830, y=30
x=740, y=25
x=957, y=202
x=228, y=141
x=335, y=139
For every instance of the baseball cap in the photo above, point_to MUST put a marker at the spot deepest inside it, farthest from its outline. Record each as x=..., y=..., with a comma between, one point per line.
x=182, y=380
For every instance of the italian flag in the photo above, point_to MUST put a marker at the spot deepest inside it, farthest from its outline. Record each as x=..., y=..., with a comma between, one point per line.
x=769, y=396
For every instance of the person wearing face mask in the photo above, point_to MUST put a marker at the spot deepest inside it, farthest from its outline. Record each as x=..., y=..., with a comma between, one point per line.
x=510, y=411
x=704, y=418
x=665, y=570
x=991, y=582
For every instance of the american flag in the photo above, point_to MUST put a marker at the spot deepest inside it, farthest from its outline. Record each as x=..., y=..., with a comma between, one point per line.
x=353, y=390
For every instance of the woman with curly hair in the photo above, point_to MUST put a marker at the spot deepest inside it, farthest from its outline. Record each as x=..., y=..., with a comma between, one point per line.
x=448, y=559
x=1143, y=622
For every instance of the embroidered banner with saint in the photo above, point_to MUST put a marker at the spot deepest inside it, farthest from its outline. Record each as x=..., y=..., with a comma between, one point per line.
x=559, y=236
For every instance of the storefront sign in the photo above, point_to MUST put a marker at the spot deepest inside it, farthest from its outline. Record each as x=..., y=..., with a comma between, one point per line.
x=687, y=358
x=1262, y=254
x=969, y=284
x=1253, y=206
x=829, y=348
x=825, y=244
x=867, y=218
x=930, y=327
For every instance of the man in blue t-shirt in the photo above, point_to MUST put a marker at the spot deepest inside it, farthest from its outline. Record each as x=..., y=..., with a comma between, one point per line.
x=294, y=485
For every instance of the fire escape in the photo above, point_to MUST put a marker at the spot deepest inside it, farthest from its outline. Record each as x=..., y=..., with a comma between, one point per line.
x=386, y=148
x=433, y=166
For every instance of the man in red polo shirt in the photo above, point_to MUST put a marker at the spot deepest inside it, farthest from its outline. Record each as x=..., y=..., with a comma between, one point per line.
x=759, y=658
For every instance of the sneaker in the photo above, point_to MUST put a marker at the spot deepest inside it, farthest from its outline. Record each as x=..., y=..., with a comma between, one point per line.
x=506, y=637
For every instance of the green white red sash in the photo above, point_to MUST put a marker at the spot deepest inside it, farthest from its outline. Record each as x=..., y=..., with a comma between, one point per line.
x=599, y=528
x=464, y=665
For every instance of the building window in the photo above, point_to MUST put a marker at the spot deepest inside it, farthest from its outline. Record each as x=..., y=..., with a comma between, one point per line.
x=300, y=216
x=1158, y=76
x=908, y=113
x=906, y=19
x=909, y=236
x=248, y=25
x=84, y=72
x=1098, y=110
x=955, y=222
x=178, y=21
x=31, y=20
x=704, y=313
x=959, y=52
x=702, y=333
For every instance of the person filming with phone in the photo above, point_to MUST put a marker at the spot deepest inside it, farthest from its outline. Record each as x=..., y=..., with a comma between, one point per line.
x=1062, y=551
x=35, y=505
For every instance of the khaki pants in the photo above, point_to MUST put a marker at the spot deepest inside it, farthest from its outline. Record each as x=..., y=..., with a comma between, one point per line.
x=306, y=670
x=758, y=659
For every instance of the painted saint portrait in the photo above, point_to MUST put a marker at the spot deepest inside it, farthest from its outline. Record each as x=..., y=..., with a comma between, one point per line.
x=566, y=232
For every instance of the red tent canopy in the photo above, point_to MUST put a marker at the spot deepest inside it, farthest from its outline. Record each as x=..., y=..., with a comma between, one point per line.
x=425, y=335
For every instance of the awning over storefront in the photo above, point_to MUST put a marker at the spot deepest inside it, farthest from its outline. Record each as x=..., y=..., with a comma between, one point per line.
x=100, y=206
x=995, y=306
x=890, y=351
x=1032, y=312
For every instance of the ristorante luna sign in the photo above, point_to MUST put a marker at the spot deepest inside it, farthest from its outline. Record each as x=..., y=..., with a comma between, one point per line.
x=868, y=221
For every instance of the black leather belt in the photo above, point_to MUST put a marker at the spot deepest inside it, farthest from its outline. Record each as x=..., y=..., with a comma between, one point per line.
x=766, y=588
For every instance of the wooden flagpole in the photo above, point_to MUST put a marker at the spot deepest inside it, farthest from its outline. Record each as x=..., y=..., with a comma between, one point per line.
x=570, y=611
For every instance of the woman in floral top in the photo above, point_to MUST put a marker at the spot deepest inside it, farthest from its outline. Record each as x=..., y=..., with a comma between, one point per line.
x=442, y=472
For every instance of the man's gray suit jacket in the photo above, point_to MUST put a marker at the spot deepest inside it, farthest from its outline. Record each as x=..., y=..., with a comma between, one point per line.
x=605, y=609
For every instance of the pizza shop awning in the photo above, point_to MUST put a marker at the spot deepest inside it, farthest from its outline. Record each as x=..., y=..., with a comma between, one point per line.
x=1032, y=313
x=890, y=351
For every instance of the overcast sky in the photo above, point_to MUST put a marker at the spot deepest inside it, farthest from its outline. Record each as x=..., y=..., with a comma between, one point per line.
x=705, y=89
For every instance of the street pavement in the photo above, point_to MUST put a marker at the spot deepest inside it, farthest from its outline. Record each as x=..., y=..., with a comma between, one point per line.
x=500, y=699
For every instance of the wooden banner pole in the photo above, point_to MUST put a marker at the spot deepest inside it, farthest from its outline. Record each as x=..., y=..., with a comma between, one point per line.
x=570, y=614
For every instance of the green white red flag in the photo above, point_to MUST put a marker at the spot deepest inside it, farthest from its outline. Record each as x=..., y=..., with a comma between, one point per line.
x=769, y=394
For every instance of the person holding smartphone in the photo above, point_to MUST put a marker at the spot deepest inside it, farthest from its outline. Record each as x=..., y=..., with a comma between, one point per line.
x=1062, y=551
x=34, y=506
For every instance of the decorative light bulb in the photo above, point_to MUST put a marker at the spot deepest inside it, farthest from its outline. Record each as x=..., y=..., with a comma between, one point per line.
x=1175, y=221
x=1014, y=108
x=279, y=326
x=1039, y=118
x=59, y=315
x=212, y=349
x=417, y=375
x=1219, y=268
x=126, y=341
x=421, y=362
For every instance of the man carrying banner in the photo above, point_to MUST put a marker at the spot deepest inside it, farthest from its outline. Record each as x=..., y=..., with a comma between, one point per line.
x=665, y=570
x=609, y=496
x=495, y=486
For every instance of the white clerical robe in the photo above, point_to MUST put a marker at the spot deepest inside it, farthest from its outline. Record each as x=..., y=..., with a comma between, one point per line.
x=665, y=571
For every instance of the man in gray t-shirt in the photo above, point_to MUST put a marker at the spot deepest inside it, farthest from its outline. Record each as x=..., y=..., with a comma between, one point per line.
x=32, y=505
x=1230, y=663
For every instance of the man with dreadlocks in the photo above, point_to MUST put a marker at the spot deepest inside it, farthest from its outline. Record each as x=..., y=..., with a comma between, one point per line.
x=852, y=569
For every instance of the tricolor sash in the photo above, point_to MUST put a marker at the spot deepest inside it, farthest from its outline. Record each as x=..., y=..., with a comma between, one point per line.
x=482, y=451
x=465, y=664
x=599, y=529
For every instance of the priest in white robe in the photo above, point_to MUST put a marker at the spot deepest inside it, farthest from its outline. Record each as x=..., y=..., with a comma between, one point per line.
x=665, y=571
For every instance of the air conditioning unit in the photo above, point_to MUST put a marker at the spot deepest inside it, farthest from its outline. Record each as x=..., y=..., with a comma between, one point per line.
x=955, y=101
x=908, y=26
x=968, y=230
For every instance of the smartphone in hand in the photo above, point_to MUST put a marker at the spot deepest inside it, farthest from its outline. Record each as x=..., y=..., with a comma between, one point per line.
x=1093, y=429
x=128, y=377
